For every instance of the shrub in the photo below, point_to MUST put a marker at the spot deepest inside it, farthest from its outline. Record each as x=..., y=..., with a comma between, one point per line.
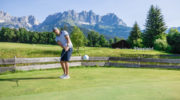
x=173, y=39
x=160, y=44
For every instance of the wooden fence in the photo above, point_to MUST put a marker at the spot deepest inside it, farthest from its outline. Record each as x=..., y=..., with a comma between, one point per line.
x=36, y=63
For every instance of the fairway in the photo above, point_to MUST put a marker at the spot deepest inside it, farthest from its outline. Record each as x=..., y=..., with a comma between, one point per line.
x=9, y=50
x=92, y=83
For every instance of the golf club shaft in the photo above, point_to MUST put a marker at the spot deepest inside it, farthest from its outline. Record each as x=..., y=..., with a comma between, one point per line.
x=63, y=54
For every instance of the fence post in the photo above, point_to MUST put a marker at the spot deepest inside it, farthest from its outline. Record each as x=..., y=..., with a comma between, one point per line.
x=14, y=64
x=139, y=62
x=108, y=61
x=82, y=61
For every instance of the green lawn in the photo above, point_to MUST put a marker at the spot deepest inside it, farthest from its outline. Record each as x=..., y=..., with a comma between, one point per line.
x=86, y=83
x=9, y=50
x=92, y=83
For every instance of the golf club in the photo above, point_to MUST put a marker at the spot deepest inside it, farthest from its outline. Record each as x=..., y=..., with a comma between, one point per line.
x=63, y=54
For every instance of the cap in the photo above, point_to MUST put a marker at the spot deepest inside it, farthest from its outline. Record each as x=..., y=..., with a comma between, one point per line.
x=55, y=28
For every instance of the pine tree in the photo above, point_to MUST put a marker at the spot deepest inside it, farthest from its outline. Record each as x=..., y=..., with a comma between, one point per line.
x=154, y=27
x=135, y=36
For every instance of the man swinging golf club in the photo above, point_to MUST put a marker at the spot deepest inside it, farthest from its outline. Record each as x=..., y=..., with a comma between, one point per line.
x=63, y=40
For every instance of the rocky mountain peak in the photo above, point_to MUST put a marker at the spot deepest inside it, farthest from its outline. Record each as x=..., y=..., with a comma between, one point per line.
x=32, y=20
x=112, y=19
x=7, y=20
x=85, y=17
x=3, y=14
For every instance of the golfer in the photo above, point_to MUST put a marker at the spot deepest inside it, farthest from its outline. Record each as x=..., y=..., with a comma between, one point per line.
x=63, y=40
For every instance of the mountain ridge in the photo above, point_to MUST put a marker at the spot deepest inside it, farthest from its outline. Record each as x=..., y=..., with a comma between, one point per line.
x=84, y=17
x=7, y=20
x=110, y=24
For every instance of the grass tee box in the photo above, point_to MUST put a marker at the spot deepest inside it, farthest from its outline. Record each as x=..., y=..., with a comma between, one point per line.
x=92, y=83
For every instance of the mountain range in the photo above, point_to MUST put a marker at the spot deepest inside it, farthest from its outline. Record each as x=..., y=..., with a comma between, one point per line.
x=109, y=25
x=27, y=22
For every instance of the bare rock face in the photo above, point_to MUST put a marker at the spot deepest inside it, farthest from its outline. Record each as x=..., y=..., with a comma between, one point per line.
x=112, y=19
x=109, y=25
x=84, y=17
x=17, y=22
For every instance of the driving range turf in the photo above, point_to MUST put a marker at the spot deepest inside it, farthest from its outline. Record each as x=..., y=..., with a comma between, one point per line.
x=92, y=83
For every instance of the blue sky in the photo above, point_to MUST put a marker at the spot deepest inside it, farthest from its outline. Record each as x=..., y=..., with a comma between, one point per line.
x=128, y=10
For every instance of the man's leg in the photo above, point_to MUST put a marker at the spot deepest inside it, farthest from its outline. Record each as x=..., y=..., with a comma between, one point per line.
x=67, y=67
x=63, y=66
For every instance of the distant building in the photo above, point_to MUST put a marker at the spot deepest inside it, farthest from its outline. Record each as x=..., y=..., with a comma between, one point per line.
x=121, y=44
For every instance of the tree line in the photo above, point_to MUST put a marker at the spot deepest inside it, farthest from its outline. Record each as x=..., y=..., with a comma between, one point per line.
x=21, y=35
x=155, y=34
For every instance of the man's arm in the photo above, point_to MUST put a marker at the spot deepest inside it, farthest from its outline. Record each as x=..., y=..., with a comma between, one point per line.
x=59, y=43
x=68, y=39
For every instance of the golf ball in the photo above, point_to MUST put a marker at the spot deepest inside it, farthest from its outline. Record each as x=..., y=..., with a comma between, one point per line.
x=85, y=57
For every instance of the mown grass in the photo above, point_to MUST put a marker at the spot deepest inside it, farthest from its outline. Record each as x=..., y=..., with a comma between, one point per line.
x=86, y=83
x=147, y=63
x=92, y=83
x=9, y=50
